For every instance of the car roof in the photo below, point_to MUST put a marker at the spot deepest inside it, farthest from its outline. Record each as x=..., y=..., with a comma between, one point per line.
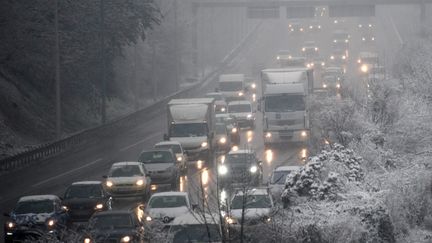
x=126, y=163
x=242, y=151
x=156, y=150
x=239, y=102
x=86, y=183
x=162, y=194
x=191, y=218
x=287, y=168
x=168, y=143
x=112, y=212
x=38, y=198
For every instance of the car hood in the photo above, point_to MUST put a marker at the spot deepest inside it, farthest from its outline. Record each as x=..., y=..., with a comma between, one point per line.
x=169, y=212
x=112, y=233
x=86, y=202
x=241, y=114
x=250, y=213
x=126, y=180
x=158, y=166
x=31, y=218
x=190, y=142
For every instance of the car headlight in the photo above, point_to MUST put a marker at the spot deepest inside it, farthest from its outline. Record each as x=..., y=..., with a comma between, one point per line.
x=204, y=145
x=335, y=41
x=234, y=130
x=199, y=164
x=254, y=169
x=99, y=206
x=344, y=57
x=65, y=208
x=332, y=57
x=230, y=220
x=303, y=49
x=51, y=222
x=278, y=57
x=87, y=240
x=139, y=182
x=301, y=29
x=222, y=140
x=10, y=225
x=346, y=41
x=303, y=134
x=148, y=219
x=125, y=239
x=324, y=86
x=373, y=38
x=323, y=64
x=266, y=219
x=240, y=94
x=109, y=184
x=253, y=86
x=268, y=135
x=249, y=116
x=338, y=86
x=359, y=61
x=363, y=39
x=153, y=187
x=179, y=159
x=316, y=48
x=223, y=109
x=222, y=170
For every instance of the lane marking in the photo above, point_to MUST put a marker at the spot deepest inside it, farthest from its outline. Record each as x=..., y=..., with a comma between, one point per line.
x=140, y=141
x=67, y=172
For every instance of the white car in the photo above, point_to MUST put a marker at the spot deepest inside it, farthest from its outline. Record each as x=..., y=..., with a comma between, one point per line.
x=243, y=112
x=195, y=227
x=128, y=179
x=277, y=179
x=166, y=206
x=178, y=150
x=258, y=207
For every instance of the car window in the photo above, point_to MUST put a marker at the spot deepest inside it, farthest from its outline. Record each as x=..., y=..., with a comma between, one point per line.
x=167, y=202
x=84, y=191
x=156, y=157
x=36, y=207
x=279, y=177
x=251, y=201
x=125, y=171
x=174, y=147
x=240, y=158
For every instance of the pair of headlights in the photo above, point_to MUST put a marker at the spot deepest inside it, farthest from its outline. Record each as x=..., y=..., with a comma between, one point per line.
x=124, y=239
x=223, y=170
x=139, y=182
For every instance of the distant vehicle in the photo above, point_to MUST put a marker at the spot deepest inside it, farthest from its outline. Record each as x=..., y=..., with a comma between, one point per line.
x=258, y=207
x=178, y=150
x=284, y=104
x=220, y=103
x=232, y=126
x=195, y=227
x=310, y=49
x=368, y=38
x=162, y=167
x=370, y=58
x=115, y=226
x=250, y=85
x=332, y=78
x=240, y=167
x=232, y=86
x=223, y=137
x=191, y=122
x=316, y=63
x=166, y=206
x=36, y=217
x=243, y=112
x=296, y=27
x=84, y=198
x=339, y=57
x=314, y=25
x=284, y=54
x=277, y=180
x=294, y=61
x=341, y=39
x=128, y=179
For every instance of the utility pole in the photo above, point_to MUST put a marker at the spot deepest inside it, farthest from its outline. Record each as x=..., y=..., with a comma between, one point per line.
x=57, y=74
x=102, y=54
x=176, y=51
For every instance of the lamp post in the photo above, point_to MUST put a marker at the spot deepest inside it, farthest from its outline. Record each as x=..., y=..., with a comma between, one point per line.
x=102, y=56
x=57, y=74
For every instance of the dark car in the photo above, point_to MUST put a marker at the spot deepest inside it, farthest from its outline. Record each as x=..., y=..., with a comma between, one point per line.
x=240, y=167
x=115, y=226
x=84, y=198
x=36, y=217
x=162, y=167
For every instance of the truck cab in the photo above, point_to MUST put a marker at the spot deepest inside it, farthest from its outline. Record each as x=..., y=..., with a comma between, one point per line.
x=232, y=86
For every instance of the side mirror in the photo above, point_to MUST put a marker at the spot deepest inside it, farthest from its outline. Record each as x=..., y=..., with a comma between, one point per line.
x=104, y=176
x=6, y=215
x=165, y=137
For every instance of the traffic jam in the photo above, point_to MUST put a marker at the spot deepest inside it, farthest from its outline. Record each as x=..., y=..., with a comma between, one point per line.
x=221, y=166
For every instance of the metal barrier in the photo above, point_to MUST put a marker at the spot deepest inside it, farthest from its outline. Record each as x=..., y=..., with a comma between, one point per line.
x=48, y=150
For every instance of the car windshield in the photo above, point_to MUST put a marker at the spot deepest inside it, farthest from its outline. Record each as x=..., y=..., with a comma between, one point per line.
x=111, y=221
x=239, y=158
x=279, y=177
x=83, y=191
x=284, y=103
x=215, y=96
x=125, y=171
x=188, y=130
x=231, y=86
x=220, y=109
x=239, y=108
x=340, y=36
x=174, y=147
x=167, y=202
x=251, y=201
x=196, y=233
x=36, y=207
x=156, y=157
x=220, y=129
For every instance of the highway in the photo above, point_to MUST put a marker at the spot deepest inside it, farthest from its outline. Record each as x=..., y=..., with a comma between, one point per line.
x=92, y=160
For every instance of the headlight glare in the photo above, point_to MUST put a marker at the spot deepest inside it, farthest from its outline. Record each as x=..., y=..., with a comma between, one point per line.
x=51, y=222
x=139, y=182
x=249, y=116
x=87, y=240
x=148, y=218
x=234, y=130
x=125, y=239
x=10, y=225
x=179, y=159
x=254, y=169
x=99, y=206
x=204, y=144
x=222, y=140
x=223, y=170
x=109, y=184
x=303, y=133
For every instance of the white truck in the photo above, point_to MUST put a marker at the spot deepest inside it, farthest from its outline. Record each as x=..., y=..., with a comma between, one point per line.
x=232, y=86
x=192, y=123
x=285, y=104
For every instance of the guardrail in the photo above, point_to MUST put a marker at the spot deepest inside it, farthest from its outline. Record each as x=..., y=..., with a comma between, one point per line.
x=48, y=150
